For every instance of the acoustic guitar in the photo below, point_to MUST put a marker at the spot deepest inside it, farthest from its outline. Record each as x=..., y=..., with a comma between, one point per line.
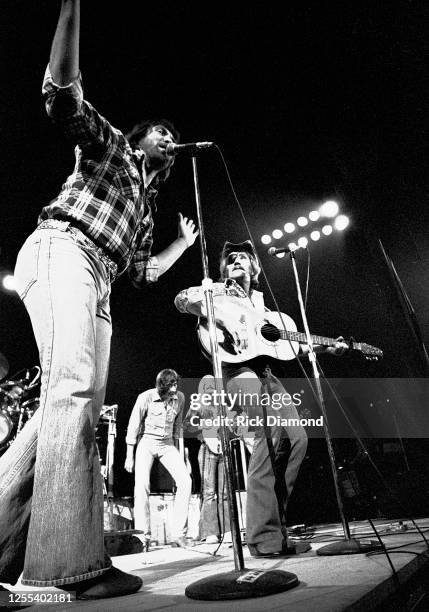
x=271, y=334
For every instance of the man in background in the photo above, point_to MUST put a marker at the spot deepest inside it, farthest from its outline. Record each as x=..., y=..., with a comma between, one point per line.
x=154, y=427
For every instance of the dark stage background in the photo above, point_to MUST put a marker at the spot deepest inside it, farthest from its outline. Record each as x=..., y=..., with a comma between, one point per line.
x=323, y=100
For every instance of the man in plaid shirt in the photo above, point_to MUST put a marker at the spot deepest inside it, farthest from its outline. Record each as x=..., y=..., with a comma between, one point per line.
x=51, y=507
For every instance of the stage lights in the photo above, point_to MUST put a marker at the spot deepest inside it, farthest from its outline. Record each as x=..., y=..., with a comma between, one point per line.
x=8, y=282
x=329, y=209
x=327, y=230
x=341, y=222
x=315, y=220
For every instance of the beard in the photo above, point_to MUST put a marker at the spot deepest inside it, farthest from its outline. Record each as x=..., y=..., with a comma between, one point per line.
x=158, y=161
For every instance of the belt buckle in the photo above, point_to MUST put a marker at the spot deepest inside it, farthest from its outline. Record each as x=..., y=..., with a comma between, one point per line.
x=98, y=250
x=54, y=224
x=111, y=266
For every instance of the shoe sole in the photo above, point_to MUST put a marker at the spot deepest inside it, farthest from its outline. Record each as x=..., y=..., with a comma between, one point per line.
x=129, y=591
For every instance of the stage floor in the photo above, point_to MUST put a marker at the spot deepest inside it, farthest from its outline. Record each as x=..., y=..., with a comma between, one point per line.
x=331, y=584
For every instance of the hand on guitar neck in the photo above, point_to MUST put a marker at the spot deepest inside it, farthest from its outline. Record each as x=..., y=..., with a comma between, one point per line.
x=338, y=348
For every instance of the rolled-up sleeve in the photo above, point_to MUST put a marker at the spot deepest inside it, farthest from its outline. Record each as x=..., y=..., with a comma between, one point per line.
x=76, y=117
x=62, y=102
x=192, y=300
x=144, y=267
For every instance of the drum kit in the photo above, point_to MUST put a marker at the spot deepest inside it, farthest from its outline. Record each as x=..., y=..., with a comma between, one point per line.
x=17, y=401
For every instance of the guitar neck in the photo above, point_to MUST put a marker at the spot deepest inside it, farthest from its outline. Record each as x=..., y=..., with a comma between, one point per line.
x=323, y=340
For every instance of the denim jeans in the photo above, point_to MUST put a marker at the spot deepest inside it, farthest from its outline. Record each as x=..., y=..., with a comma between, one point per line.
x=269, y=486
x=147, y=449
x=51, y=496
x=214, y=514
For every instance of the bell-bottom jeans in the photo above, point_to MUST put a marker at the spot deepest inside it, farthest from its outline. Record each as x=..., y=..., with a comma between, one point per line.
x=147, y=449
x=214, y=513
x=270, y=480
x=51, y=496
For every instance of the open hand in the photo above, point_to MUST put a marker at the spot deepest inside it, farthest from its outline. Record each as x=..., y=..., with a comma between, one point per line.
x=187, y=230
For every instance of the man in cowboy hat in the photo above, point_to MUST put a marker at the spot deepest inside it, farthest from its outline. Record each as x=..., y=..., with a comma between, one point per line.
x=278, y=451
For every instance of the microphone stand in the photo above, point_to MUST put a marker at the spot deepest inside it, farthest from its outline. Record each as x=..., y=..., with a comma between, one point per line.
x=239, y=583
x=110, y=461
x=349, y=546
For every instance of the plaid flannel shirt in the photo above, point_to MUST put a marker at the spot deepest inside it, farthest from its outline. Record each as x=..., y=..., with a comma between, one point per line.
x=105, y=195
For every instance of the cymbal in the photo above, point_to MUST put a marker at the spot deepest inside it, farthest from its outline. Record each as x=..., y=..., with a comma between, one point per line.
x=4, y=366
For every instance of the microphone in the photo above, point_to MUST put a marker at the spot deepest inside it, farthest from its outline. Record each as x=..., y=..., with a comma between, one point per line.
x=273, y=251
x=190, y=147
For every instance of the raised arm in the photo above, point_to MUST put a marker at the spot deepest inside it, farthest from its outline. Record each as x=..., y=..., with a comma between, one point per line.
x=63, y=92
x=146, y=268
x=64, y=57
x=186, y=237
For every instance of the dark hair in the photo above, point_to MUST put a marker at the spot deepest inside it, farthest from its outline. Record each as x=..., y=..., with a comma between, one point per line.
x=140, y=130
x=165, y=379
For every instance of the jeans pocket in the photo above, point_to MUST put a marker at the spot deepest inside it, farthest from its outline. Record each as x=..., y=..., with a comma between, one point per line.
x=27, y=266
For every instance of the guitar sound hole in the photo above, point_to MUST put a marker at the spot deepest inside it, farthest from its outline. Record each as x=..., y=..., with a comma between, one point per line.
x=270, y=332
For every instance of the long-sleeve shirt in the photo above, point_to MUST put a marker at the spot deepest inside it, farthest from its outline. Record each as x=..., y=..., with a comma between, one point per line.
x=105, y=196
x=192, y=300
x=155, y=418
